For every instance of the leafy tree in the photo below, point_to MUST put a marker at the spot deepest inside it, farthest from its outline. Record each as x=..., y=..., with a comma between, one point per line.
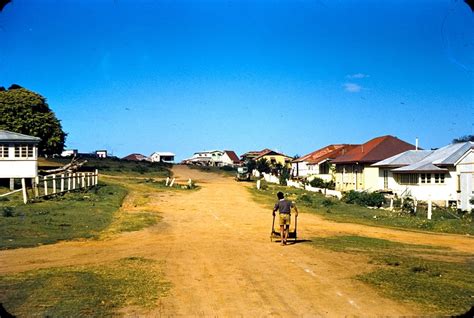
x=263, y=165
x=251, y=165
x=463, y=139
x=26, y=112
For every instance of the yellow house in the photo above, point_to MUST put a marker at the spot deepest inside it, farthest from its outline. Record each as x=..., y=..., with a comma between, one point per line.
x=354, y=170
x=274, y=158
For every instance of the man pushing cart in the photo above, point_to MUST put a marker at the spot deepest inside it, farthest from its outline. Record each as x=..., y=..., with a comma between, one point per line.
x=284, y=208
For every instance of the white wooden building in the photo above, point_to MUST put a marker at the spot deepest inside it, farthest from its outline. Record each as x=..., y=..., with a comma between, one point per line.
x=167, y=157
x=445, y=175
x=18, y=155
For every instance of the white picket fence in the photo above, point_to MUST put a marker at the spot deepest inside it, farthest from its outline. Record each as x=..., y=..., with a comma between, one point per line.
x=64, y=182
x=296, y=184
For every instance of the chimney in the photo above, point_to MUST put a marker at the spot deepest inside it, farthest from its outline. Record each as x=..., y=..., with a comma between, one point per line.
x=416, y=144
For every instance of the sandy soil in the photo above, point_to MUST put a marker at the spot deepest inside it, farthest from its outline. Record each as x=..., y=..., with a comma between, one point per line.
x=220, y=261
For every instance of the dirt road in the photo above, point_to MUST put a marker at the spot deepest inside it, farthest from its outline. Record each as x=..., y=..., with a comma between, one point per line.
x=220, y=261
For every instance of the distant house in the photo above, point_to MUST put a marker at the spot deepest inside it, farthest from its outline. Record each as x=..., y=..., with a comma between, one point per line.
x=445, y=175
x=274, y=157
x=167, y=157
x=69, y=153
x=230, y=158
x=101, y=153
x=318, y=163
x=136, y=157
x=18, y=155
x=354, y=170
x=251, y=155
x=217, y=158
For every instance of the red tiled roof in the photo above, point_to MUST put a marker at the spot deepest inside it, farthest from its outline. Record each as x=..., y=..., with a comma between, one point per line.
x=135, y=157
x=375, y=150
x=328, y=152
x=232, y=155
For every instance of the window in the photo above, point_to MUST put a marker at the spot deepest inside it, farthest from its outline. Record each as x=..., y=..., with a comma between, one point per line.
x=425, y=178
x=324, y=168
x=24, y=151
x=408, y=178
x=439, y=177
x=3, y=151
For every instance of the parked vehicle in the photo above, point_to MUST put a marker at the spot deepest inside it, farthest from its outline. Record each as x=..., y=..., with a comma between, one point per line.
x=243, y=174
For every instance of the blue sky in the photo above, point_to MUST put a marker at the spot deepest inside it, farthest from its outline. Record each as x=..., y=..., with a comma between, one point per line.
x=183, y=76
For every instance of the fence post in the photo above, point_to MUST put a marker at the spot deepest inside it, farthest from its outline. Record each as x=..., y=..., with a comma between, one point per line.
x=69, y=175
x=54, y=183
x=391, y=204
x=430, y=206
x=25, y=194
x=167, y=181
x=36, y=187
x=96, y=177
x=73, y=181
x=172, y=182
x=62, y=182
x=83, y=180
x=45, y=181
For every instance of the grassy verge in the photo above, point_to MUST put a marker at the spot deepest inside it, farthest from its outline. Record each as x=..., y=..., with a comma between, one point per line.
x=440, y=281
x=71, y=216
x=338, y=211
x=84, y=291
x=225, y=170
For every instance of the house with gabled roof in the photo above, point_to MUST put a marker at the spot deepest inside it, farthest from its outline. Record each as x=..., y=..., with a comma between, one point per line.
x=354, y=170
x=444, y=175
x=274, y=158
x=251, y=155
x=18, y=155
x=162, y=156
x=318, y=163
x=136, y=157
x=217, y=158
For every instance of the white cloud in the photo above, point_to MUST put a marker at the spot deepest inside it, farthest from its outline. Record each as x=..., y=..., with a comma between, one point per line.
x=352, y=87
x=357, y=75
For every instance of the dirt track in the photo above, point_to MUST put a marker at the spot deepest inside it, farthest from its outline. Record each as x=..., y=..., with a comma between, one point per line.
x=220, y=260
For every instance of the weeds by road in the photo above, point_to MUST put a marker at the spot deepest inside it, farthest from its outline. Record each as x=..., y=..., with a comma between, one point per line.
x=84, y=291
x=339, y=211
x=440, y=280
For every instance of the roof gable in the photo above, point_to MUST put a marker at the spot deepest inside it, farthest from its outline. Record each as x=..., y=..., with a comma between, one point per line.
x=232, y=155
x=328, y=152
x=374, y=150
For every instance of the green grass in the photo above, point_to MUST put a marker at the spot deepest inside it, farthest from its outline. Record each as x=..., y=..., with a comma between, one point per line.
x=71, y=216
x=336, y=210
x=226, y=170
x=112, y=166
x=84, y=291
x=438, y=280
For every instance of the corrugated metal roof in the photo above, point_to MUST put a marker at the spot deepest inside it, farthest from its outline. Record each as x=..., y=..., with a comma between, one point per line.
x=403, y=159
x=16, y=137
x=445, y=156
x=163, y=153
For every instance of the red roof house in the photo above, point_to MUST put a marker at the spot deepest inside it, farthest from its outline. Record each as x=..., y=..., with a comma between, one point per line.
x=353, y=171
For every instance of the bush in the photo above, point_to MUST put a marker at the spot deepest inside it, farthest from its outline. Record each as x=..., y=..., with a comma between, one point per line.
x=317, y=183
x=284, y=175
x=320, y=183
x=374, y=199
x=7, y=211
x=408, y=206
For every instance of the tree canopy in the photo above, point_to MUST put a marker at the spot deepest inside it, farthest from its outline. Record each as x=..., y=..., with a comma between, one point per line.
x=463, y=139
x=26, y=112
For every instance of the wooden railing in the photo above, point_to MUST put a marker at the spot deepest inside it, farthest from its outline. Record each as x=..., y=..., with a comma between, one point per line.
x=64, y=182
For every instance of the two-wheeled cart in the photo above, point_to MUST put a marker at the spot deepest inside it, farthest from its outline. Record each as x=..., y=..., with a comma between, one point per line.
x=291, y=234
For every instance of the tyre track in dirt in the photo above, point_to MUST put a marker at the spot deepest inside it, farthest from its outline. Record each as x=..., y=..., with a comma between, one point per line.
x=219, y=259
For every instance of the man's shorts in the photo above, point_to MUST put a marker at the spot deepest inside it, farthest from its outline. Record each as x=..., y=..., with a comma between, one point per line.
x=285, y=219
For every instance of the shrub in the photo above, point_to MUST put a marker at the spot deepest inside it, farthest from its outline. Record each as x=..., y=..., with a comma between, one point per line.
x=284, y=175
x=317, y=183
x=7, y=211
x=408, y=206
x=374, y=199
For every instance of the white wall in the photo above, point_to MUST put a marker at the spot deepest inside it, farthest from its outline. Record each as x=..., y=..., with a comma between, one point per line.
x=465, y=169
x=18, y=168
